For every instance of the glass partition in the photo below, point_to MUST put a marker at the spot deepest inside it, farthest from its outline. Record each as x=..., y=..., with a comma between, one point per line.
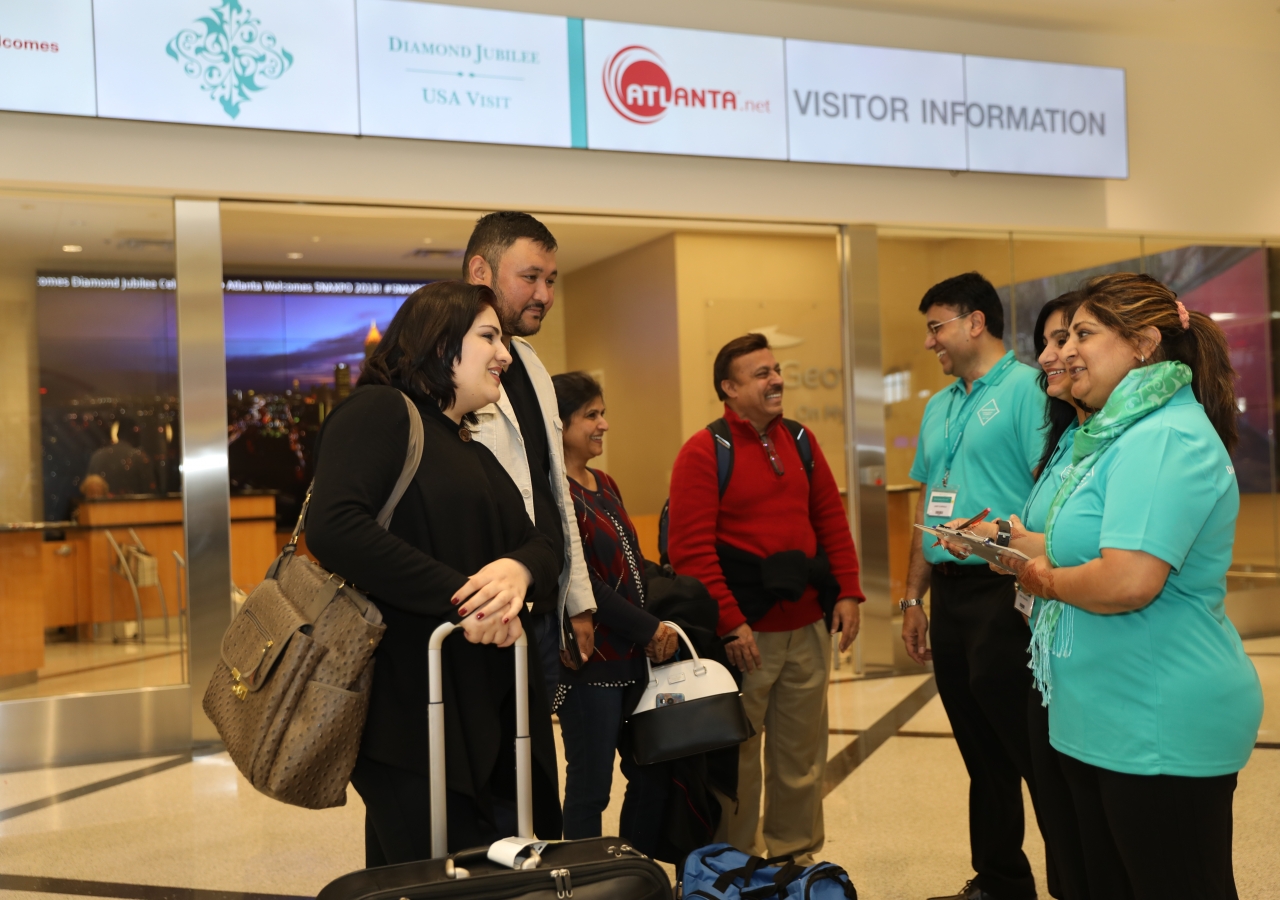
x=91, y=586
x=912, y=261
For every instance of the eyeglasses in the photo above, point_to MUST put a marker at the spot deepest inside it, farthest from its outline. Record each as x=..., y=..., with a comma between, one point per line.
x=772, y=452
x=935, y=327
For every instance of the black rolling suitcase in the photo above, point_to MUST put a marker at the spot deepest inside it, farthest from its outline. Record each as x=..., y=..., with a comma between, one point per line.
x=517, y=867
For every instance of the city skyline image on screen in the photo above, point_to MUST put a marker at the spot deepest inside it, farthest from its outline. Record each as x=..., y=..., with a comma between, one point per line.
x=108, y=363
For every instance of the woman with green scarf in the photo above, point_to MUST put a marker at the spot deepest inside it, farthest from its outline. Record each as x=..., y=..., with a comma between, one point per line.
x=1153, y=705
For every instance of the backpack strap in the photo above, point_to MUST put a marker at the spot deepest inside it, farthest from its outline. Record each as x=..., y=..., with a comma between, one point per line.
x=722, y=438
x=803, y=444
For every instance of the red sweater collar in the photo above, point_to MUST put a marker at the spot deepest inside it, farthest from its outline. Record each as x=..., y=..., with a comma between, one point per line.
x=736, y=420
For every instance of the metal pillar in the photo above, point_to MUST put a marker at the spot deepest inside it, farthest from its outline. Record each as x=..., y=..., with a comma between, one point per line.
x=202, y=385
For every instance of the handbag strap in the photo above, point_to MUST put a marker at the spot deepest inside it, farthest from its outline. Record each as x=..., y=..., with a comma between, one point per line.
x=698, y=667
x=412, y=457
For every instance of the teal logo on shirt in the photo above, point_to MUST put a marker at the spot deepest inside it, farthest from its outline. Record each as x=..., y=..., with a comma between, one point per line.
x=988, y=411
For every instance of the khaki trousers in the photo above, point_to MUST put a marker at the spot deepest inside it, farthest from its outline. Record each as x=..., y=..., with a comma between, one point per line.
x=786, y=701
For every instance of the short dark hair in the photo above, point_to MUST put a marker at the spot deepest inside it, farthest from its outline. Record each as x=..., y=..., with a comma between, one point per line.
x=422, y=344
x=574, y=390
x=968, y=293
x=495, y=233
x=722, y=368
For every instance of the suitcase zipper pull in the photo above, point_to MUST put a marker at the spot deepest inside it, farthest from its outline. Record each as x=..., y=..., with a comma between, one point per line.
x=564, y=884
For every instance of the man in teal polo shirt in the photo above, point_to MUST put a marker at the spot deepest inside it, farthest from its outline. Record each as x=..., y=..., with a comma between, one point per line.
x=979, y=441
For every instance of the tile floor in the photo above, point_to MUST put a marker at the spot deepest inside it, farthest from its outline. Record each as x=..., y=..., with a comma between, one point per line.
x=897, y=822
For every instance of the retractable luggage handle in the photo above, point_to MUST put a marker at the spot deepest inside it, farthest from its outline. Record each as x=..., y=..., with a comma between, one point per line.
x=435, y=722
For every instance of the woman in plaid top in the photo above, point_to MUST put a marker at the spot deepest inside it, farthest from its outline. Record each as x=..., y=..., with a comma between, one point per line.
x=590, y=699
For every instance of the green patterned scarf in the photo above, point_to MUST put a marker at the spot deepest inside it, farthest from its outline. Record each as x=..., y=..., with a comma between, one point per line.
x=1142, y=391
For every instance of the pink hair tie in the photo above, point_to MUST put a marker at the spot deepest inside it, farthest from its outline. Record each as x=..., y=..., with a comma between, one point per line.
x=1183, y=316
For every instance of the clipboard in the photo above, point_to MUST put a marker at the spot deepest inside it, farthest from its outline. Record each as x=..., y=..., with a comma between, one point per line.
x=985, y=548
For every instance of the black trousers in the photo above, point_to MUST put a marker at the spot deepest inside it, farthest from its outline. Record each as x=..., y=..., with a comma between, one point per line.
x=980, y=663
x=397, y=815
x=1055, y=809
x=1152, y=837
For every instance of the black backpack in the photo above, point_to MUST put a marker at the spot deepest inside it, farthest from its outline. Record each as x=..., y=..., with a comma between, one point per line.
x=723, y=438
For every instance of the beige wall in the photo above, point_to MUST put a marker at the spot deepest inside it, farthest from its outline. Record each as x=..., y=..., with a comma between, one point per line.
x=652, y=319
x=20, y=469
x=731, y=284
x=621, y=320
x=1201, y=125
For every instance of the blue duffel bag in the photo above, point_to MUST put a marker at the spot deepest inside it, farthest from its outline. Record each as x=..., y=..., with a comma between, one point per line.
x=719, y=872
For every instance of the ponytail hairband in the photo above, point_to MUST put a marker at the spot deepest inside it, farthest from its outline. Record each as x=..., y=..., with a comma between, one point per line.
x=1183, y=316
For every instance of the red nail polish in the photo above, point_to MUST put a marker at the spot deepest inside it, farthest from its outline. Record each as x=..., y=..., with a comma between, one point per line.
x=456, y=600
x=462, y=612
x=505, y=621
x=479, y=617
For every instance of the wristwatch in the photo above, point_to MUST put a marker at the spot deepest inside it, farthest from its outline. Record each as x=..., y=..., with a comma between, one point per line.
x=903, y=604
x=1004, y=529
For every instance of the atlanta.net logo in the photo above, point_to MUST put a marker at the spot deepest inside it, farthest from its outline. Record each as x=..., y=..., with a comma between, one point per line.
x=639, y=89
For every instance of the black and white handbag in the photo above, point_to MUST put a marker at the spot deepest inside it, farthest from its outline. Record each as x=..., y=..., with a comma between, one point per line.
x=689, y=706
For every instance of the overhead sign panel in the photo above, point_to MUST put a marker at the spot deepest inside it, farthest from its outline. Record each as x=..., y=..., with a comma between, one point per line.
x=1045, y=118
x=875, y=106
x=282, y=64
x=672, y=90
x=46, y=56
x=463, y=74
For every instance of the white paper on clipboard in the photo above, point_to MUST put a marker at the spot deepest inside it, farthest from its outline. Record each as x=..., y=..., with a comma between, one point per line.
x=982, y=547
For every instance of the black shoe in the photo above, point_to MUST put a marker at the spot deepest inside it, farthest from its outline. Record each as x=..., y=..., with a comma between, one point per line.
x=970, y=891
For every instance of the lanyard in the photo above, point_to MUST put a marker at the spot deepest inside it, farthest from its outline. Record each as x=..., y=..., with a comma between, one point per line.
x=967, y=410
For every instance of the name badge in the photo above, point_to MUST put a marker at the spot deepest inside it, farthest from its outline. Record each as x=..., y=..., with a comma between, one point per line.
x=1024, y=602
x=941, y=503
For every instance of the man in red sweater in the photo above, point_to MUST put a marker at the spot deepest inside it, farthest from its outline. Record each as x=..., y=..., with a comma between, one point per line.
x=758, y=547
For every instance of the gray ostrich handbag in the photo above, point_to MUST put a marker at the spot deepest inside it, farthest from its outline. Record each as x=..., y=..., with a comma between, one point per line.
x=290, y=694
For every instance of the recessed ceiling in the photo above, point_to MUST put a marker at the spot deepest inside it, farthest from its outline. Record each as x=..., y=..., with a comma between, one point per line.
x=134, y=235
x=257, y=238
x=116, y=234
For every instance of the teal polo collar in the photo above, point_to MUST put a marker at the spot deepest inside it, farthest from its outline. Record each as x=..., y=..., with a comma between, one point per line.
x=991, y=378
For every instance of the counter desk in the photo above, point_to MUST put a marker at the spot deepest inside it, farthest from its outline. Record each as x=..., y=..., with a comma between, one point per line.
x=67, y=574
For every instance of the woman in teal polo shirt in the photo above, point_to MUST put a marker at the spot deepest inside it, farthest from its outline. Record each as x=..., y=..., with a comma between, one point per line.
x=1055, y=810
x=1153, y=705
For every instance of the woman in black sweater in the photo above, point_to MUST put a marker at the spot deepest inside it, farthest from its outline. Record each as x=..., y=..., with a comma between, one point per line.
x=460, y=548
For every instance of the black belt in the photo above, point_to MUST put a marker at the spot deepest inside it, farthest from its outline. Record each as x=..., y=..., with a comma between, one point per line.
x=955, y=570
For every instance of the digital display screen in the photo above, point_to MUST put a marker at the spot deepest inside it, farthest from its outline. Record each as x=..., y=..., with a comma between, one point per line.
x=279, y=64
x=46, y=57
x=672, y=90
x=458, y=74
x=403, y=69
